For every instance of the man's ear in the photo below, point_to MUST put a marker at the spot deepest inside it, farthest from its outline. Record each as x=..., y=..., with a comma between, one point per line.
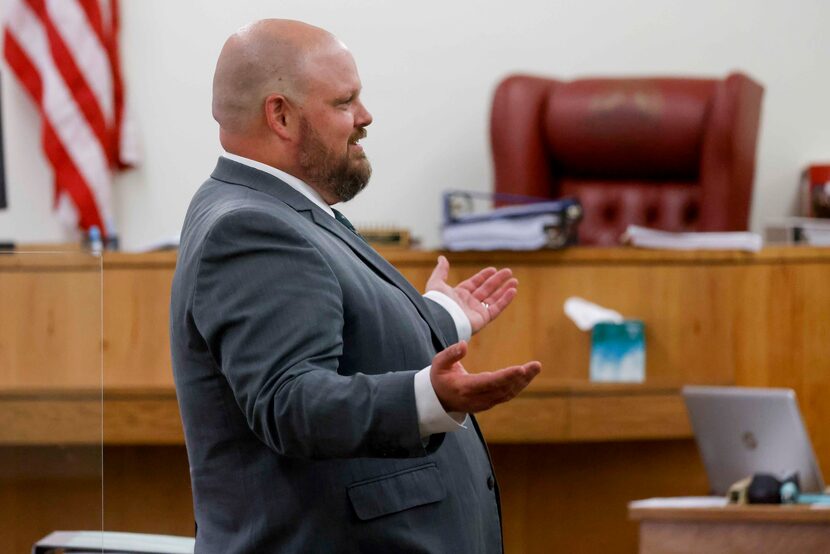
x=281, y=116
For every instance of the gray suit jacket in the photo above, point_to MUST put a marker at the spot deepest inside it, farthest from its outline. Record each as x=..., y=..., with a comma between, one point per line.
x=294, y=350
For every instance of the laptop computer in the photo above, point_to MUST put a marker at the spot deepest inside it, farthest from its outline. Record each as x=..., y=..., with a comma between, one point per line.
x=741, y=431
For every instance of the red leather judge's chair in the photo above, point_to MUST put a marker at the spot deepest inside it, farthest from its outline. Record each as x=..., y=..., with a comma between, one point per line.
x=669, y=153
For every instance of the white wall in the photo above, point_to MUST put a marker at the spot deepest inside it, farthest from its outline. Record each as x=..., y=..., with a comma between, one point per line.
x=429, y=69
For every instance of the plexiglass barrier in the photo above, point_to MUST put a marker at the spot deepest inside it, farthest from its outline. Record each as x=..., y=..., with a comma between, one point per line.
x=51, y=396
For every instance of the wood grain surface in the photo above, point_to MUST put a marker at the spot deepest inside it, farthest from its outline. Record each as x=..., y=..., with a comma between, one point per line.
x=733, y=529
x=569, y=454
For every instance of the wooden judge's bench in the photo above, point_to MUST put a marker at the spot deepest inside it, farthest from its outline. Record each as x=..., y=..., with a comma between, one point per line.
x=569, y=454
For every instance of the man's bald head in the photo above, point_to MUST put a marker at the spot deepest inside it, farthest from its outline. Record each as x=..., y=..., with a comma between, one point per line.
x=287, y=94
x=265, y=57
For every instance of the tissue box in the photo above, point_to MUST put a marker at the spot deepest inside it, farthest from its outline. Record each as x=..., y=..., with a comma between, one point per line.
x=618, y=352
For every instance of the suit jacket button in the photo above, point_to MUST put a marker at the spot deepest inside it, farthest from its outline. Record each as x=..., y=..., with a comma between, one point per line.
x=491, y=482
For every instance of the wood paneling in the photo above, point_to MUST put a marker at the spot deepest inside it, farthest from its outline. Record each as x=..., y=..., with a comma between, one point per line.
x=527, y=419
x=133, y=416
x=50, y=321
x=61, y=419
x=139, y=489
x=702, y=310
x=677, y=304
x=734, y=538
x=596, y=413
x=46, y=488
x=147, y=490
x=555, y=497
x=567, y=452
x=150, y=419
x=573, y=497
x=766, y=529
x=136, y=340
x=628, y=417
x=784, y=318
x=88, y=417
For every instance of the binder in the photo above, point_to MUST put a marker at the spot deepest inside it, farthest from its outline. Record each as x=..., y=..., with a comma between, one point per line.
x=487, y=221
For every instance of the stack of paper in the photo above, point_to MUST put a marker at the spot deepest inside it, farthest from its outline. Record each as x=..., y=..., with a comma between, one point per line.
x=816, y=236
x=799, y=230
x=681, y=502
x=518, y=233
x=652, y=238
x=528, y=224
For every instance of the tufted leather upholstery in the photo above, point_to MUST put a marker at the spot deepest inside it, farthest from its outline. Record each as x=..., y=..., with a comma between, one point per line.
x=671, y=153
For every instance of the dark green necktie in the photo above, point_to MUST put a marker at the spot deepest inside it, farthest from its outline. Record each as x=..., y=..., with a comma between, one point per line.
x=346, y=223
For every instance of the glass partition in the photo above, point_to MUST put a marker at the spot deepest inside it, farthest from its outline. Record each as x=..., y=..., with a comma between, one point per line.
x=146, y=474
x=51, y=396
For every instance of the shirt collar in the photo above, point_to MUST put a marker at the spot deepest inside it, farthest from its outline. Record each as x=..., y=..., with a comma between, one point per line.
x=288, y=179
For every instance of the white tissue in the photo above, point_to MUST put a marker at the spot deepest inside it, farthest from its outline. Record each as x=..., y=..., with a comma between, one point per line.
x=587, y=314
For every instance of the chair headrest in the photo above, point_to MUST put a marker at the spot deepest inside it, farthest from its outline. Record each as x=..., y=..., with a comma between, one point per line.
x=648, y=129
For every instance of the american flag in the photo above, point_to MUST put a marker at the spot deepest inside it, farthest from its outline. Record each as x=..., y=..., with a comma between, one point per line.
x=65, y=54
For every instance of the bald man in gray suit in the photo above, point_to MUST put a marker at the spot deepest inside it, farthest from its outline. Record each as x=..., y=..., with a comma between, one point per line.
x=324, y=404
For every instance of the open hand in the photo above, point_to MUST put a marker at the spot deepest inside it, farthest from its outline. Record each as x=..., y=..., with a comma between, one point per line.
x=460, y=391
x=482, y=297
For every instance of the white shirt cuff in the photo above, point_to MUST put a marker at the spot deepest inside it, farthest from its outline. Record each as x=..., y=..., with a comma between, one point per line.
x=432, y=418
x=462, y=322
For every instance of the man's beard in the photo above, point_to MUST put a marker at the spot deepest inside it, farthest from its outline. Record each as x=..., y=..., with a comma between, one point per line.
x=339, y=174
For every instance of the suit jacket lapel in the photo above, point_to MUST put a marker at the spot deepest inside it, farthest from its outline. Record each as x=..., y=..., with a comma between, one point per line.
x=232, y=172
x=374, y=260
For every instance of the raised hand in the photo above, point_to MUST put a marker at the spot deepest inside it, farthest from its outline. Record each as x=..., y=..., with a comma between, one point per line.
x=482, y=297
x=460, y=391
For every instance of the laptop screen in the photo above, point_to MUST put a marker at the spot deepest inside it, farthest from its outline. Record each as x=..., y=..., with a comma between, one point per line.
x=741, y=431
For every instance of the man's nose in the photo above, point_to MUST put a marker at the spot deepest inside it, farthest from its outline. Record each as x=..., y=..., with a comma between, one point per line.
x=362, y=118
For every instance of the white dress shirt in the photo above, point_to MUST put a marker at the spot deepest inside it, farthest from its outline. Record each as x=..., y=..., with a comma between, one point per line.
x=432, y=418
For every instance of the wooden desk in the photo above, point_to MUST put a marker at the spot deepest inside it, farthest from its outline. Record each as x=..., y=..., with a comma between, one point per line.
x=711, y=318
x=733, y=530
x=72, y=323
x=551, y=414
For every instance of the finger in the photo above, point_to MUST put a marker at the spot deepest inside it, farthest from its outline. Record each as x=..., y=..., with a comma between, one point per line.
x=512, y=283
x=499, y=306
x=514, y=378
x=477, y=280
x=531, y=370
x=503, y=394
x=444, y=360
x=492, y=284
x=441, y=272
x=491, y=382
x=516, y=386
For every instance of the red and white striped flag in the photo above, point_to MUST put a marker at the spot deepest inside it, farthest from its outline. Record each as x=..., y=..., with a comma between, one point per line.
x=65, y=53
